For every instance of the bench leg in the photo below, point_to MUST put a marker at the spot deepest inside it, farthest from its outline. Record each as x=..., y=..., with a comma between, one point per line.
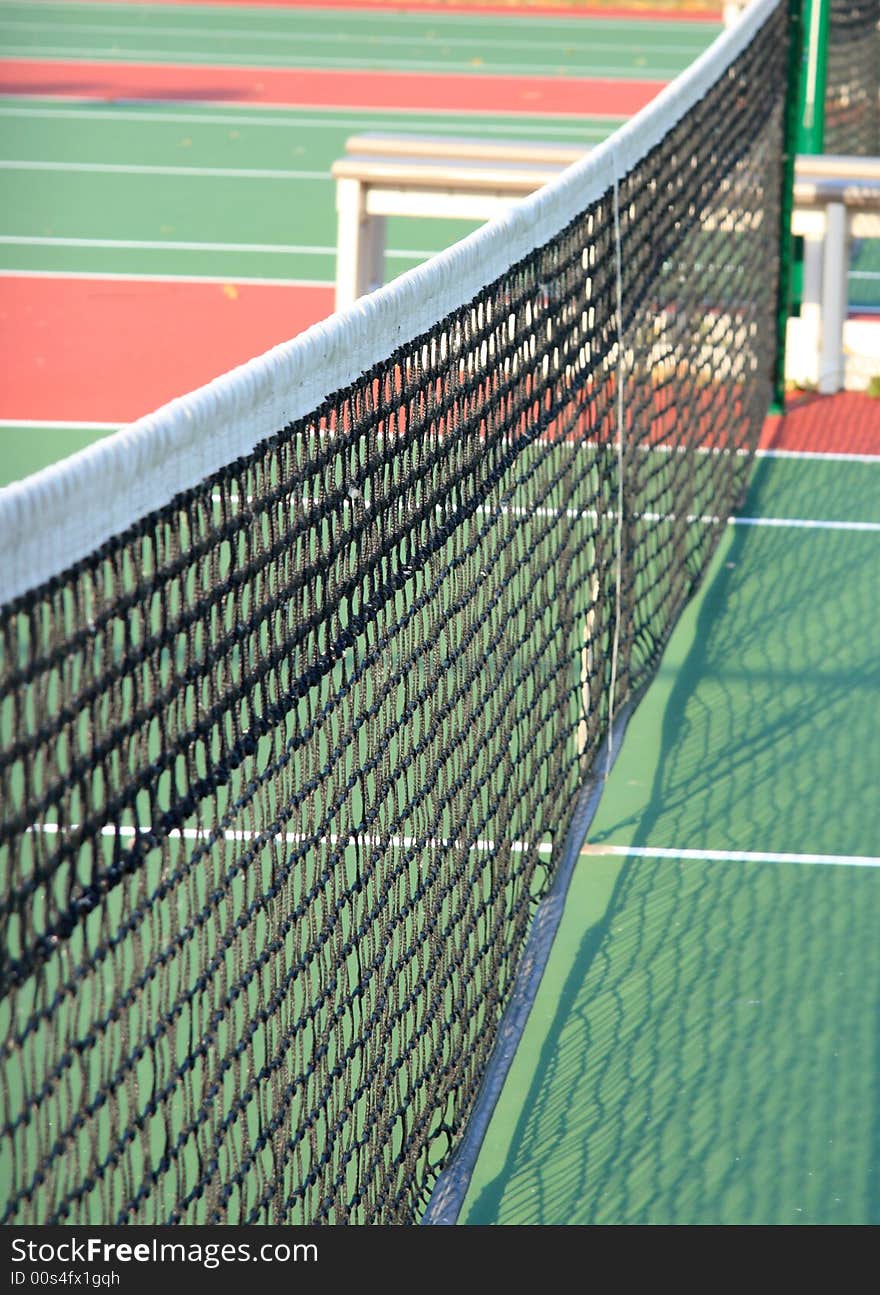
x=834, y=300
x=373, y=268
x=360, y=245
x=349, y=241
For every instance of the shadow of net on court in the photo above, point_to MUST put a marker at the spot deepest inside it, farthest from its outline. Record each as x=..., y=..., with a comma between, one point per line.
x=712, y=1055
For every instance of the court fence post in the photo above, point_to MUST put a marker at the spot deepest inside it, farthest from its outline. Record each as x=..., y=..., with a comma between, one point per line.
x=792, y=127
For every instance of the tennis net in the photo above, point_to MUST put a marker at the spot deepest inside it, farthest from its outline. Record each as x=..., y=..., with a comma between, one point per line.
x=301, y=676
x=852, y=89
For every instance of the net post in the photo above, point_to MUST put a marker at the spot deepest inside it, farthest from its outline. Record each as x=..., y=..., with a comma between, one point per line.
x=811, y=125
x=792, y=128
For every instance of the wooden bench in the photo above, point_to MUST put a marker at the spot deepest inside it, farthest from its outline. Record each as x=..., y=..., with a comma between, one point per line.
x=386, y=174
x=415, y=175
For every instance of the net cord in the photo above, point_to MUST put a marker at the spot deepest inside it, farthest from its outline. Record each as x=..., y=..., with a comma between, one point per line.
x=58, y=516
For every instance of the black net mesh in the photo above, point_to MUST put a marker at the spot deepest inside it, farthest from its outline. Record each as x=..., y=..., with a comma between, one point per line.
x=286, y=766
x=852, y=107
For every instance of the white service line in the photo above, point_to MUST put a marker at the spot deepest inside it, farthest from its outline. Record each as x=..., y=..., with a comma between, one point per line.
x=829, y=456
x=804, y=523
x=517, y=847
x=298, y=838
x=537, y=124
x=112, y=276
x=732, y=856
x=399, y=114
x=240, y=118
x=54, y=424
x=126, y=168
x=247, y=116
x=708, y=519
x=168, y=245
x=524, y=510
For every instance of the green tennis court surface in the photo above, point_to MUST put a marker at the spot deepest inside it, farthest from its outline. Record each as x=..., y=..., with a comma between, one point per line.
x=199, y=191
x=26, y=449
x=704, y=1048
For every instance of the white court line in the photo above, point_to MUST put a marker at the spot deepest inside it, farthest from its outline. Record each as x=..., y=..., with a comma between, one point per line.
x=709, y=519
x=832, y=456
x=125, y=168
x=802, y=523
x=140, y=244
x=514, y=510
x=232, y=280
x=517, y=847
x=55, y=424
x=732, y=856
x=297, y=838
x=247, y=116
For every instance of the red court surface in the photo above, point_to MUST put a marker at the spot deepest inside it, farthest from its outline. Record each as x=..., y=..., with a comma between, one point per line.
x=322, y=88
x=93, y=350
x=845, y=423
x=98, y=350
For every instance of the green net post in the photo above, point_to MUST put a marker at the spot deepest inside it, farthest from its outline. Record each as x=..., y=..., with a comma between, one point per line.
x=811, y=132
x=793, y=125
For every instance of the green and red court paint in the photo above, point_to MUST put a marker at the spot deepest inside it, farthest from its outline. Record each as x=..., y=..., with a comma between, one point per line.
x=460, y=8
x=109, y=350
x=323, y=88
x=846, y=423
x=97, y=350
